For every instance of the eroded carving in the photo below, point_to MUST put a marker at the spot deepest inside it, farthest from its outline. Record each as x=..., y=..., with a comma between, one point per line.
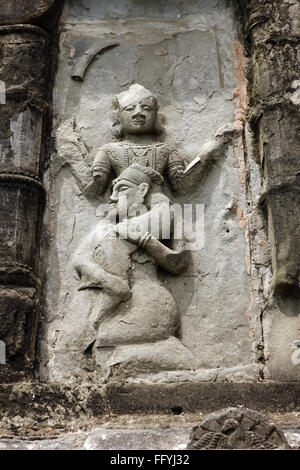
x=237, y=428
x=83, y=62
x=137, y=125
x=134, y=324
x=138, y=317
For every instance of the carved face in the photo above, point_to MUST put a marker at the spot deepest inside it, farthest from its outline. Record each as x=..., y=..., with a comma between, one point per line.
x=138, y=116
x=126, y=195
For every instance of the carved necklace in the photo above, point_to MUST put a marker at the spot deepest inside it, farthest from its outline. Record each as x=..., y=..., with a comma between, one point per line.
x=139, y=157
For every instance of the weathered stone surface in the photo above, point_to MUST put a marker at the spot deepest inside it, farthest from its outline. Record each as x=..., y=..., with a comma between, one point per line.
x=49, y=405
x=26, y=69
x=281, y=336
x=227, y=281
x=272, y=44
x=132, y=437
x=193, y=83
x=237, y=428
x=41, y=12
x=293, y=437
x=134, y=324
x=18, y=324
x=103, y=438
x=61, y=417
x=23, y=69
x=274, y=67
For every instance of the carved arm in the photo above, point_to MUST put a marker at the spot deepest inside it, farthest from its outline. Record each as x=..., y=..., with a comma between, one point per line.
x=73, y=153
x=210, y=151
x=175, y=261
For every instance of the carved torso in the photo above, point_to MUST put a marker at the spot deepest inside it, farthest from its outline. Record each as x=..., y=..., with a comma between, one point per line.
x=115, y=157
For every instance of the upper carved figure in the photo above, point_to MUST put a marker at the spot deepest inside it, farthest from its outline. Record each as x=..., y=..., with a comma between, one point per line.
x=137, y=123
x=138, y=128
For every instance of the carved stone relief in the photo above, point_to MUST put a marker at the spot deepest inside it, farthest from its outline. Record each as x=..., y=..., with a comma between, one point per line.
x=237, y=428
x=140, y=304
x=137, y=319
x=154, y=110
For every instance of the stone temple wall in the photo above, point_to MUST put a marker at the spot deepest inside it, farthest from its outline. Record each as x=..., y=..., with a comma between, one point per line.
x=189, y=56
x=226, y=78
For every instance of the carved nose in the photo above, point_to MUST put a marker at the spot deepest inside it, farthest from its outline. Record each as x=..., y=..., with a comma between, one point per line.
x=138, y=112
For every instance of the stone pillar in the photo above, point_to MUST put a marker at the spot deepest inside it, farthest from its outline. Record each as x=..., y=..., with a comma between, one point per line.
x=272, y=32
x=26, y=70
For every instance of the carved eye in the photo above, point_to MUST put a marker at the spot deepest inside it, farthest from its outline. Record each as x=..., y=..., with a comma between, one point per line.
x=122, y=188
x=129, y=108
x=146, y=107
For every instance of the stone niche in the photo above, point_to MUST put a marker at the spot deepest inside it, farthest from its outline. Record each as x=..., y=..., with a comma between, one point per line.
x=197, y=322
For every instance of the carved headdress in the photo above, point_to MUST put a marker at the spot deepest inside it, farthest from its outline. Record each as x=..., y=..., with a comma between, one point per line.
x=135, y=92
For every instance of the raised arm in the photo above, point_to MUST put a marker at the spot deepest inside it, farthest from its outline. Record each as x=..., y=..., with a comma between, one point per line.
x=210, y=151
x=174, y=169
x=73, y=153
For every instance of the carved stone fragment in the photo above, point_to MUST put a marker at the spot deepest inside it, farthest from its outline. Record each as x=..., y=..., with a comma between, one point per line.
x=237, y=428
x=135, y=325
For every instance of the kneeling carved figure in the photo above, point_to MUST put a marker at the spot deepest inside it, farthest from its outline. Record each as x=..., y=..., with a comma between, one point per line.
x=137, y=317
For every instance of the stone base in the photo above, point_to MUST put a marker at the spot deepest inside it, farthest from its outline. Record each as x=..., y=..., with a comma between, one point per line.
x=101, y=438
x=61, y=403
x=139, y=431
x=238, y=374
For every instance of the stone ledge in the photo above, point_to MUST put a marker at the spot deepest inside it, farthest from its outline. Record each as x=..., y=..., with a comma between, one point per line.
x=126, y=432
x=101, y=438
x=57, y=401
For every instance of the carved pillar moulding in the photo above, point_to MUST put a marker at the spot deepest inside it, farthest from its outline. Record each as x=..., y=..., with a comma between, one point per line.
x=272, y=33
x=25, y=74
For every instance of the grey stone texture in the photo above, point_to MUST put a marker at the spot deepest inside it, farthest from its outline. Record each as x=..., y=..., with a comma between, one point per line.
x=239, y=298
x=128, y=432
x=175, y=438
x=119, y=439
x=237, y=428
x=272, y=44
x=273, y=112
x=43, y=13
x=195, y=87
